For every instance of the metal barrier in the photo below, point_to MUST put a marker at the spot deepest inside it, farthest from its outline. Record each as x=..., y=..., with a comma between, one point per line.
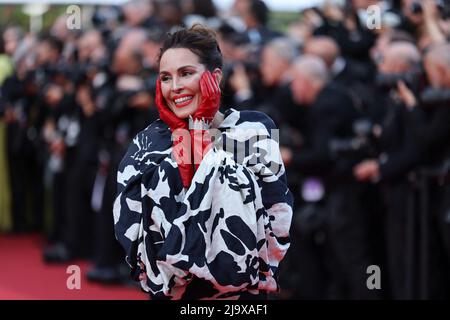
x=419, y=213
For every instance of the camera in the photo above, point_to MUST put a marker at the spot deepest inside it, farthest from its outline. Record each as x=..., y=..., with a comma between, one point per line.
x=414, y=80
x=416, y=8
x=444, y=10
x=359, y=146
x=431, y=97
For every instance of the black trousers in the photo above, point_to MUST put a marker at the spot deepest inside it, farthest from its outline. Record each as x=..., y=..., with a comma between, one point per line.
x=437, y=259
x=79, y=215
x=444, y=220
x=27, y=185
x=58, y=207
x=401, y=239
x=107, y=250
x=303, y=272
x=352, y=226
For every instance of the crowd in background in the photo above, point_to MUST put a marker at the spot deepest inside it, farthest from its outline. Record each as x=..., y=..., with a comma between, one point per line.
x=364, y=118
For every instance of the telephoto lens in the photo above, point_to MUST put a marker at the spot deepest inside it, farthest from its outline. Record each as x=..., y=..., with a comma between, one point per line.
x=416, y=8
x=435, y=97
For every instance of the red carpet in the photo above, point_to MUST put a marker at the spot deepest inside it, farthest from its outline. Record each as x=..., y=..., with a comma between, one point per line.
x=24, y=276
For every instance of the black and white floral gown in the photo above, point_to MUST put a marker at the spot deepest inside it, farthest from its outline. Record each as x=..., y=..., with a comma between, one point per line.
x=228, y=231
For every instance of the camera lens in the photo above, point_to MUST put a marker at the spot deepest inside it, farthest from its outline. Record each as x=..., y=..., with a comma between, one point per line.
x=416, y=8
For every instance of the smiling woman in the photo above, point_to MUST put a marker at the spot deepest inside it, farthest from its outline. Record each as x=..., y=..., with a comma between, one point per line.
x=180, y=81
x=213, y=228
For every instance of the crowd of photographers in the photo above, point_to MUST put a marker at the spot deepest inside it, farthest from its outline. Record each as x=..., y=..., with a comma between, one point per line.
x=363, y=106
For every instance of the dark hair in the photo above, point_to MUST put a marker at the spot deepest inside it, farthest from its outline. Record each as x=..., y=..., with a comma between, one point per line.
x=53, y=42
x=200, y=41
x=204, y=8
x=259, y=11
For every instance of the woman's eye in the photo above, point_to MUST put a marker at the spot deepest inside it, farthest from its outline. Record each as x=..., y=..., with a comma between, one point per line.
x=164, y=78
x=186, y=73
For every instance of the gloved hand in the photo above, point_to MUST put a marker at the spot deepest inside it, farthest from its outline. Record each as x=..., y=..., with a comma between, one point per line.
x=181, y=147
x=209, y=103
x=201, y=120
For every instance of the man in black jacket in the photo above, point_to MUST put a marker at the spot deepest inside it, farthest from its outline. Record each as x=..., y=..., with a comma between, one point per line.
x=431, y=132
x=398, y=155
x=330, y=116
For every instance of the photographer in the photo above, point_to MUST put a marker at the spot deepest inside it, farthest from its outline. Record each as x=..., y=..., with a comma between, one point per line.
x=397, y=156
x=343, y=24
x=330, y=115
x=344, y=71
x=355, y=77
x=431, y=129
x=425, y=20
x=255, y=15
x=72, y=135
x=123, y=106
x=274, y=97
x=431, y=132
x=241, y=68
x=24, y=117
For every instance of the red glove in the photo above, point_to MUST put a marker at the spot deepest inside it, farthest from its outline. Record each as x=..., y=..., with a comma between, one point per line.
x=202, y=118
x=181, y=146
x=209, y=104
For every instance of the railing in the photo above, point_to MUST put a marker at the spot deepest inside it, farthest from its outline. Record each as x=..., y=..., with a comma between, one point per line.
x=419, y=214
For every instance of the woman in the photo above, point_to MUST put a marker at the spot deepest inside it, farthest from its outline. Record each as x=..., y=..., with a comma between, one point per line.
x=199, y=220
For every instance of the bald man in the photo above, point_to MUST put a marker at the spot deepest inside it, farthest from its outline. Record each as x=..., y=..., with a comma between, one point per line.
x=324, y=47
x=330, y=117
x=273, y=97
x=276, y=58
x=343, y=70
x=399, y=57
x=398, y=155
x=310, y=77
x=352, y=75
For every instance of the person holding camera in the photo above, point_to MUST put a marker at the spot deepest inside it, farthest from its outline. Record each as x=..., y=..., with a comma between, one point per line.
x=342, y=23
x=124, y=105
x=397, y=156
x=431, y=132
x=330, y=116
x=425, y=20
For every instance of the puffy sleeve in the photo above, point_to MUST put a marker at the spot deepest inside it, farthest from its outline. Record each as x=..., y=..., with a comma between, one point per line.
x=149, y=197
x=141, y=162
x=264, y=162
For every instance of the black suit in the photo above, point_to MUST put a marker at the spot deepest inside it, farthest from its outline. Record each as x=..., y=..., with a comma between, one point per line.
x=331, y=117
x=398, y=156
x=431, y=131
x=399, y=152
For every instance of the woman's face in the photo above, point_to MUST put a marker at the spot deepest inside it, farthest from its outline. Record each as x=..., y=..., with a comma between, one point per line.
x=180, y=72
